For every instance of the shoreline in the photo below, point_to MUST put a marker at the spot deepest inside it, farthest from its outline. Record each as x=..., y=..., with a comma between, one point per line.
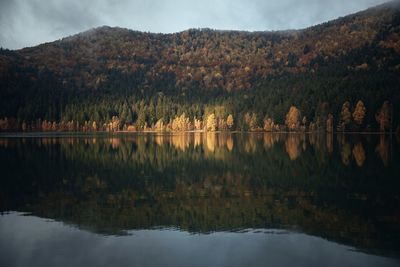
x=164, y=133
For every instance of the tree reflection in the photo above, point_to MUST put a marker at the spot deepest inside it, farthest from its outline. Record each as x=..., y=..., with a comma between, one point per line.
x=180, y=141
x=211, y=139
x=115, y=142
x=292, y=145
x=250, y=145
x=359, y=154
x=219, y=145
x=229, y=143
x=206, y=182
x=345, y=149
x=198, y=137
x=329, y=142
x=382, y=149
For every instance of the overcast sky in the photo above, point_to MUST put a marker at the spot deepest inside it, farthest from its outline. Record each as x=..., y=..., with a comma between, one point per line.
x=31, y=22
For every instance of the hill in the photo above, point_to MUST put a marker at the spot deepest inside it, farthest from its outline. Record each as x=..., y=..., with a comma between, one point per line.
x=113, y=72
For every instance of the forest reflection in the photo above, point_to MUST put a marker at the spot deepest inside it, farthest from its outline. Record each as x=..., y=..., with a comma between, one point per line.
x=342, y=187
x=350, y=147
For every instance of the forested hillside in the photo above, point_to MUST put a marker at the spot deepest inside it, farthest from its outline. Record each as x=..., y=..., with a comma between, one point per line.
x=341, y=75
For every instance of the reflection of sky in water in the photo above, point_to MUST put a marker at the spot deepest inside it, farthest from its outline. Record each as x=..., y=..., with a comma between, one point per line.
x=31, y=241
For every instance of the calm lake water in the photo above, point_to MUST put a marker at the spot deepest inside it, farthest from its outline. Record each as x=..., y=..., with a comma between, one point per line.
x=200, y=200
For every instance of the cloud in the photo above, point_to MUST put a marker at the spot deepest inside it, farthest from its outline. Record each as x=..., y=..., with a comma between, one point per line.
x=30, y=22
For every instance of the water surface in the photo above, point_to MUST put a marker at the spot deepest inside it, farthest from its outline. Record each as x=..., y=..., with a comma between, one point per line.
x=200, y=200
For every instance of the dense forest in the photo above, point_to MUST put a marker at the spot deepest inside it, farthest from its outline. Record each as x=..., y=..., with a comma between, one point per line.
x=343, y=75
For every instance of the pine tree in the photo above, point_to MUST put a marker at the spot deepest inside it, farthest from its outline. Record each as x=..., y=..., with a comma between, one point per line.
x=345, y=115
x=141, y=120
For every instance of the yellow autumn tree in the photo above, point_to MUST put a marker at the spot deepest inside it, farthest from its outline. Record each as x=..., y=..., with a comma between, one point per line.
x=229, y=121
x=159, y=125
x=114, y=124
x=293, y=118
x=180, y=123
x=94, y=126
x=359, y=113
x=211, y=123
x=197, y=124
x=268, y=125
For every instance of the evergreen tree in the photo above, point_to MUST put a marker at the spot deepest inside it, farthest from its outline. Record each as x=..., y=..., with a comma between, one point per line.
x=345, y=116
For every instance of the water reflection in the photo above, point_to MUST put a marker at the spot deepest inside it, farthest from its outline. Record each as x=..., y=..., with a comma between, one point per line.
x=342, y=188
x=211, y=142
x=359, y=154
x=329, y=142
x=346, y=153
x=292, y=145
x=31, y=241
x=383, y=149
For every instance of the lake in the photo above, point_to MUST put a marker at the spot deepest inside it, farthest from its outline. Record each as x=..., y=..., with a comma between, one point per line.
x=200, y=199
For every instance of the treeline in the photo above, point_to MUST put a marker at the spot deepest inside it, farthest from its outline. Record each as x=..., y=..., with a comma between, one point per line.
x=165, y=115
x=333, y=99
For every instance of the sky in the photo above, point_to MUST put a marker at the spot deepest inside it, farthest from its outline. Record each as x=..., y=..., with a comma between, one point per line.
x=31, y=22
